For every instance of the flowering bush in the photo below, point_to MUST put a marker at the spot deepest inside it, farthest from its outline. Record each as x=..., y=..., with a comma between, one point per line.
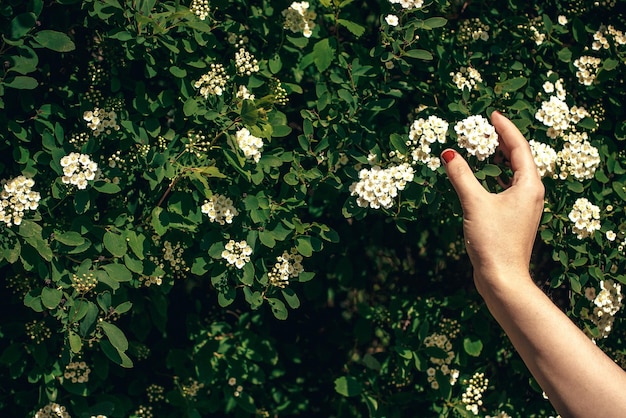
x=227, y=208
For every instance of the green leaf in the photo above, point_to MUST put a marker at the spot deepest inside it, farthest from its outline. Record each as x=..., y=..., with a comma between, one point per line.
x=70, y=238
x=22, y=82
x=54, y=40
x=356, y=29
x=610, y=64
x=115, y=335
x=115, y=355
x=348, y=386
x=249, y=113
x=106, y=187
x=123, y=307
x=512, y=84
x=278, y=308
x=303, y=245
x=178, y=72
x=248, y=274
x=21, y=24
x=51, y=297
x=266, y=237
x=118, y=272
x=76, y=344
x=473, y=347
x=115, y=243
x=291, y=298
x=323, y=54
x=491, y=170
x=420, y=54
x=434, y=22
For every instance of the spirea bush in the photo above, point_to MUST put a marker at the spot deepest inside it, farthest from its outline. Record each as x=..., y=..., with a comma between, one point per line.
x=237, y=208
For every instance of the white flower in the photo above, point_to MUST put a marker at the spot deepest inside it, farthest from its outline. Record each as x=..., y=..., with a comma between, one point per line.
x=610, y=235
x=562, y=20
x=100, y=121
x=408, y=4
x=200, y=8
x=392, y=20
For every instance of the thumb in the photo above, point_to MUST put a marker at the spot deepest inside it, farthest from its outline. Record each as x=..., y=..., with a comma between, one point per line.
x=461, y=176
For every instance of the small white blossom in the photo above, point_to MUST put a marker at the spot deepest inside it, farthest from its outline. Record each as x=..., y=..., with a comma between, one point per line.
x=392, y=20
x=562, y=20
x=287, y=266
x=408, y=4
x=245, y=62
x=611, y=235
x=99, y=121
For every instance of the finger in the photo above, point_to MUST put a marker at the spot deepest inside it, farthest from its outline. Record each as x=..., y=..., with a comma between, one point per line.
x=514, y=145
x=461, y=176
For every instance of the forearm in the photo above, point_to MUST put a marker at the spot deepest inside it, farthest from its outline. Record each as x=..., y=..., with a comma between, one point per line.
x=579, y=379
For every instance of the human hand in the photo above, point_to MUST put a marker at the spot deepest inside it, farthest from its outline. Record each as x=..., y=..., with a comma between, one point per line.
x=500, y=228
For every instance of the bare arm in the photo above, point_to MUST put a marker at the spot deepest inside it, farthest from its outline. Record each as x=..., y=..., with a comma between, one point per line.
x=499, y=229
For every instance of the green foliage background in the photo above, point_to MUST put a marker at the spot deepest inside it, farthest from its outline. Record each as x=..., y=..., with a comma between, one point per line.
x=347, y=336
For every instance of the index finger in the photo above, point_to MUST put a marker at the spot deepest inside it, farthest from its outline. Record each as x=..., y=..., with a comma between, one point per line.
x=514, y=145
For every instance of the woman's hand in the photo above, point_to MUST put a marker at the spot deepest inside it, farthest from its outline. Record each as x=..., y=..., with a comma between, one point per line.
x=499, y=229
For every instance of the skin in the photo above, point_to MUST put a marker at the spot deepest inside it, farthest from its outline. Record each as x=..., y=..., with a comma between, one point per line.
x=500, y=229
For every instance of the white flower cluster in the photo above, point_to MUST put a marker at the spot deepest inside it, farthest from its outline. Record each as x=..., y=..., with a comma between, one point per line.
x=298, y=18
x=98, y=120
x=557, y=88
x=213, y=82
x=477, y=136
x=473, y=396
x=249, y=144
x=466, y=77
x=578, y=158
x=586, y=218
x=555, y=114
x=422, y=134
x=443, y=364
x=200, y=8
x=245, y=62
x=78, y=169
x=544, y=156
x=77, y=372
x=538, y=37
x=17, y=197
x=501, y=414
x=608, y=302
x=173, y=254
x=220, y=209
x=237, y=253
x=244, y=94
x=601, y=42
x=587, y=69
x=408, y=4
x=473, y=29
x=377, y=186
x=52, y=410
x=287, y=266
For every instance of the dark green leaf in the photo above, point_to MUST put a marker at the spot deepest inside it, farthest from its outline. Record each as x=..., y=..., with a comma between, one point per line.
x=115, y=335
x=348, y=386
x=54, y=40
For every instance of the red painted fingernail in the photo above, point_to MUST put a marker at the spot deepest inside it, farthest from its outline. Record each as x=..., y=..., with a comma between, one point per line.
x=447, y=156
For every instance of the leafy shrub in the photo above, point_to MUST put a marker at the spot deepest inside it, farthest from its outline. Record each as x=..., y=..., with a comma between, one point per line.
x=237, y=208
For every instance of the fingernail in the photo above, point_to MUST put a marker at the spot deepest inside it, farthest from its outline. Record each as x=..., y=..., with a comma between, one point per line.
x=447, y=155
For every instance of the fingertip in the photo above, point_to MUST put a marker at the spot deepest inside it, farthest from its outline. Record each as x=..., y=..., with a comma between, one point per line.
x=447, y=156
